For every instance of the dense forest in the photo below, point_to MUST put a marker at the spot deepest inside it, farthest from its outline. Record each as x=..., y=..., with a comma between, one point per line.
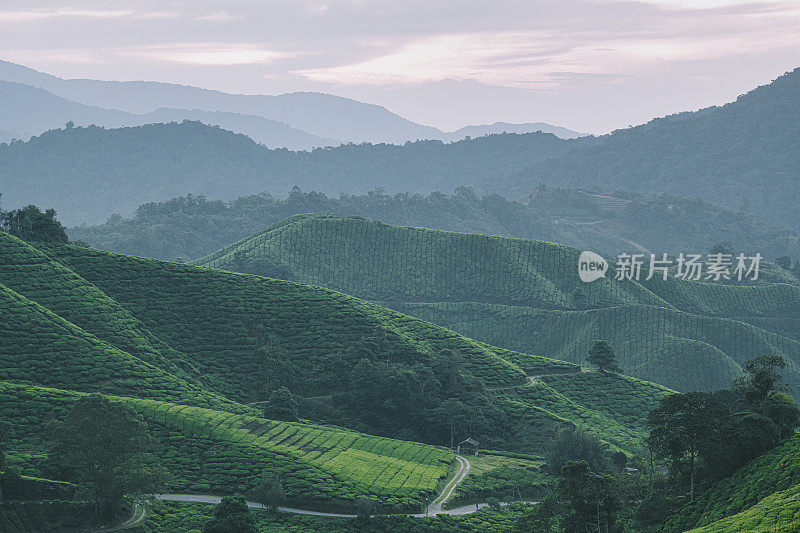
x=190, y=227
x=88, y=173
x=744, y=151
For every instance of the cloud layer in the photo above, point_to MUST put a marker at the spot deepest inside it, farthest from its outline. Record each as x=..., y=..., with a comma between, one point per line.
x=592, y=65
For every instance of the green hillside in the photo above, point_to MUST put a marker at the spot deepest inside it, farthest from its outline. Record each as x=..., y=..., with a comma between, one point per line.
x=525, y=295
x=218, y=451
x=741, y=153
x=189, y=348
x=761, y=495
x=190, y=227
x=779, y=511
x=235, y=329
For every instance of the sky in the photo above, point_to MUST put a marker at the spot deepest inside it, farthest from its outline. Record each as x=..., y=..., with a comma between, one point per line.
x=589, y=65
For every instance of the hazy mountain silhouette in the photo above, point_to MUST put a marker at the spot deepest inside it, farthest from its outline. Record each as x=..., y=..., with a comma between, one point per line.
x=27, y=111
x=743, y=154
x=322, y=115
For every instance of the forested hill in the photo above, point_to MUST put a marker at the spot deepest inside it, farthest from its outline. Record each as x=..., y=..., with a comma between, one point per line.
x=88, y=173
x=745, y=151
x=526, y=295
x=190, y=227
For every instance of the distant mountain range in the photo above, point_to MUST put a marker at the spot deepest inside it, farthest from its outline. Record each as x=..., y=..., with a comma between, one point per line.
x=300, y=120
x=742, y=154
x=88, y=173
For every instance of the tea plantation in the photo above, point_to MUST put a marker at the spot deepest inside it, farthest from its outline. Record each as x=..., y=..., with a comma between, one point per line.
x=196, y=351
x=221, y=452
x=525, y=295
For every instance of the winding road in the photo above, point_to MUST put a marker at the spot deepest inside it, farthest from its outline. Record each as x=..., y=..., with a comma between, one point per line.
x=433, y=509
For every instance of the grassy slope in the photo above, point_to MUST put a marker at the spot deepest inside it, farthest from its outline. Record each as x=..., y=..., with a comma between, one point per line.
x=524, y=295
x=201, y=340
x=779, y=511
x=752, y=490
x=224, y=318
x=218, y=451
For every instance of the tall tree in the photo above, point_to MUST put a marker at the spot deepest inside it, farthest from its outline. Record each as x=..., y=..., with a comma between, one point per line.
x=762, y=377
x=102, y=445
x=602, y=356
x=282, y=405
x=269, y=492
x=685, y=426
x=32, y=225
x=231, y=516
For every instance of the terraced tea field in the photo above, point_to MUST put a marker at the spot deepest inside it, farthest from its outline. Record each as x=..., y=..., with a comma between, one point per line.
x=525, y=295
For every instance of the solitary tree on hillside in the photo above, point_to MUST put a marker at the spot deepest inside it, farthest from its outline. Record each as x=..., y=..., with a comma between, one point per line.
x=602, y=356
x=269, y=492
x=784, y=261
x=282, y=405
x=102, y=446
x=32, y=225
x=231, y=516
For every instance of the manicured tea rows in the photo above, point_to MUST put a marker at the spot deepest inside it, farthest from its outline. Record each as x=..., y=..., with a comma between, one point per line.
x=41, y=347
x=221, y=321
x=674, y=348
x=393, y=263
x=31, y=273
x=212, y=451
x=777, y=512
x=525, y=295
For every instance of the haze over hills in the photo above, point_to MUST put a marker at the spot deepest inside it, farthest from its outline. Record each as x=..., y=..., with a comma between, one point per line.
x=32, y=111
x=329, y=118
x=190, y=227
x=88, y=173
x=744, y=151
x=742, y=155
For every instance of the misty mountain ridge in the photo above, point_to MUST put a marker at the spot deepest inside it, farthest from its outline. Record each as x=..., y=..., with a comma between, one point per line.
x=332, y=119
x=742, y=154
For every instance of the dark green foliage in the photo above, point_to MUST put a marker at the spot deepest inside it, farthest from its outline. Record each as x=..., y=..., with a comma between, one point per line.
x=707, y=154
x=783, y=411
x=619, y=460
x=91, y=172
x=192, y=227
x=601, y=355
x=784, y=261
x=231, y=516
x=32, y=225
x=282, y=405
x=776, y=470
x=761, y=379
x=576, y=445
x=269, y=492
x=688, y=427
x=582, y=501
x=101, y=445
